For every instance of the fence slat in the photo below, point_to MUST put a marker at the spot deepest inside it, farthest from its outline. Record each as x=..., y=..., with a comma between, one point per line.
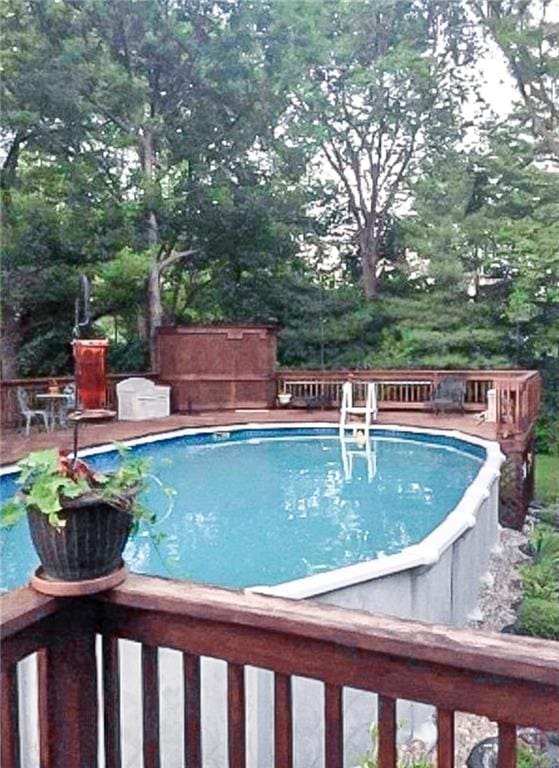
x=445, y=742
x=386, y=732
x=9, y=744
x=150, y=706
x=506, y=757
x=111, y=701
x=192, y=731
x=236, y=715
x=283, y=722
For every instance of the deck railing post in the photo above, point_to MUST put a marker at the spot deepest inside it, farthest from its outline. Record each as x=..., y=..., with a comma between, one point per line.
x=68, y=693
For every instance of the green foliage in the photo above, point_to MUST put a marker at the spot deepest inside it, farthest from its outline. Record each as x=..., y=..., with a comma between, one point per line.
x=538, y=614
x=140, y=131
x=539, y=617
x=48, y=478
x=550, y=516
x=540, y=581
x=544, y=543
x=547, y=478
x=528, y=757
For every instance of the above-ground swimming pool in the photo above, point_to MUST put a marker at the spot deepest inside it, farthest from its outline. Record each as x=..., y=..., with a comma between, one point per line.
x=402, y=525
x=264, y=507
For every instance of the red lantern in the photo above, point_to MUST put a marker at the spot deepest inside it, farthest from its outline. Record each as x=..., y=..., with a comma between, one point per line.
x=90, y=361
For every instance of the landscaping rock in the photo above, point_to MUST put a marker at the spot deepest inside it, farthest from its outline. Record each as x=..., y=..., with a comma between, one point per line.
x=484, y=754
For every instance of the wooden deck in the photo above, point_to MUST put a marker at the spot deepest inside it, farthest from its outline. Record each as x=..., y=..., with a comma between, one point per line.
x=14, y=444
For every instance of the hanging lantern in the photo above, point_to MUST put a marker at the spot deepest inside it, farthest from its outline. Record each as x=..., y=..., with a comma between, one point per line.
x=90, y=366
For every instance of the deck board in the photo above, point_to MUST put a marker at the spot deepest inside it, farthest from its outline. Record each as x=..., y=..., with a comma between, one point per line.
x=14, y=445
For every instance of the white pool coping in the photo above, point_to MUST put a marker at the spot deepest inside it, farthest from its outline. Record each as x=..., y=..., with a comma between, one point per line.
x=425, y=553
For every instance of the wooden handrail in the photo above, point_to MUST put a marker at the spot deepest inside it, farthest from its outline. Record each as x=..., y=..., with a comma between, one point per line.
x=511, y=680
x=532, y=659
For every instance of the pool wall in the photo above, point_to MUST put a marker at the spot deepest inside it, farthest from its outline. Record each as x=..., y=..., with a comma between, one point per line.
x=436, y=580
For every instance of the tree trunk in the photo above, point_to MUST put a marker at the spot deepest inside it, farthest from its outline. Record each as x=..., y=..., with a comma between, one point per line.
x=10, y=342
x=368, y=252
x=155, y=308
x=155, y=313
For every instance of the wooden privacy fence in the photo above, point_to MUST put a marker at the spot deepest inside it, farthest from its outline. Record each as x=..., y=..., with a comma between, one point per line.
x=512, y=680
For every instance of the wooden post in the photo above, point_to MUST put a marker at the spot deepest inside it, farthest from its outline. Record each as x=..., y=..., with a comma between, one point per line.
x=68, y=694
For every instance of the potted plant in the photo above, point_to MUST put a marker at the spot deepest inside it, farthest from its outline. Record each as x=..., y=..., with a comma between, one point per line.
x=284, y=398
x=80, y=519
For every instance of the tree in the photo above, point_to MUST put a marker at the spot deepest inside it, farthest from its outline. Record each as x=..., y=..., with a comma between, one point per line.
x=529, y=40
x=381, y=95
x=171, y=103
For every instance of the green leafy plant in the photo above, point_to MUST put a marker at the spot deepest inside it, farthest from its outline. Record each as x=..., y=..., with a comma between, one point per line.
x=539, y=617
x=544, y=543
x=50, y=478
x=370, y=759
x=527, y=757
x=540, y=581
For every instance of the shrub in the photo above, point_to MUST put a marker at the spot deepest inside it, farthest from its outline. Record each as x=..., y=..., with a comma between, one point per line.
x=539, y=617
x=540, y=581
x=527, y=757
x=545, y=546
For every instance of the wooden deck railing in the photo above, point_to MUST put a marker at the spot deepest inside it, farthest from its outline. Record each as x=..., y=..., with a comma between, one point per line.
x=514, y=681
x=517, y=392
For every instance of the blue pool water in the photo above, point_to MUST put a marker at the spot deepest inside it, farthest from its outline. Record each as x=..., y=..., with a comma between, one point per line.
x=264, y=508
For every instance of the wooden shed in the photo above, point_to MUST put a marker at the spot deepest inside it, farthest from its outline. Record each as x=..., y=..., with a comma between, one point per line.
x=217, y=367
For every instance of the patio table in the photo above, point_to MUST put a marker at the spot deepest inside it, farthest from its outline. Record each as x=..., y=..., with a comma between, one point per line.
x=53, y=402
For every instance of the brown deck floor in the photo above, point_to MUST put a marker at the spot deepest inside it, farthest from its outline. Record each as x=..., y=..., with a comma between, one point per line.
x=14, y=444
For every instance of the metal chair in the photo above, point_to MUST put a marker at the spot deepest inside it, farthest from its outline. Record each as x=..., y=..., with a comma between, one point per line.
x=449, y=395
x=68, y=405
x=30, y=413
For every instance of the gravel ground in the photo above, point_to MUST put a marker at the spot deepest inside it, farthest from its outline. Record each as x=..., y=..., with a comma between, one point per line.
x=495, y=601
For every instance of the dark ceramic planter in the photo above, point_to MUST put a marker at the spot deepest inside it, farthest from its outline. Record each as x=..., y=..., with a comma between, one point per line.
x=89, y=546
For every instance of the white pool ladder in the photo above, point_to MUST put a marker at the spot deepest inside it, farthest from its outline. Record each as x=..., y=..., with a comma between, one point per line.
x=368, y=411
x=351, y=450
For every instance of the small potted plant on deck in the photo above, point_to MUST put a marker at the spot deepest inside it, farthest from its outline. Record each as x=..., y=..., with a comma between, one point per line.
x=79, y=518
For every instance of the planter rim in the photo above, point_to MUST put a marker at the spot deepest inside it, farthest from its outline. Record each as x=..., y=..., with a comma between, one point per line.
x=92, y=498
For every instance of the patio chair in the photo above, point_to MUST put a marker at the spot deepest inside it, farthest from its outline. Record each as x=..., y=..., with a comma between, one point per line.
x=30, y=413
x=68, y=405
x=449, y=395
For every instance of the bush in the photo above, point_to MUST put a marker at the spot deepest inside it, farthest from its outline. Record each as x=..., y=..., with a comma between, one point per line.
x=545, y=546
x=527, y=757
x=540, y=581
x=539, y=617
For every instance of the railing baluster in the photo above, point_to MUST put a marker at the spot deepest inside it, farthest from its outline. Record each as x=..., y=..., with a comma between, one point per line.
x=283, y=721
x=333, y=726
x=506, y=757
x=192, y=731
x=236, y=715
x=111, y=701
x=445, y=742
x=9, y=744
x=150, y=706
x=386, y=732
